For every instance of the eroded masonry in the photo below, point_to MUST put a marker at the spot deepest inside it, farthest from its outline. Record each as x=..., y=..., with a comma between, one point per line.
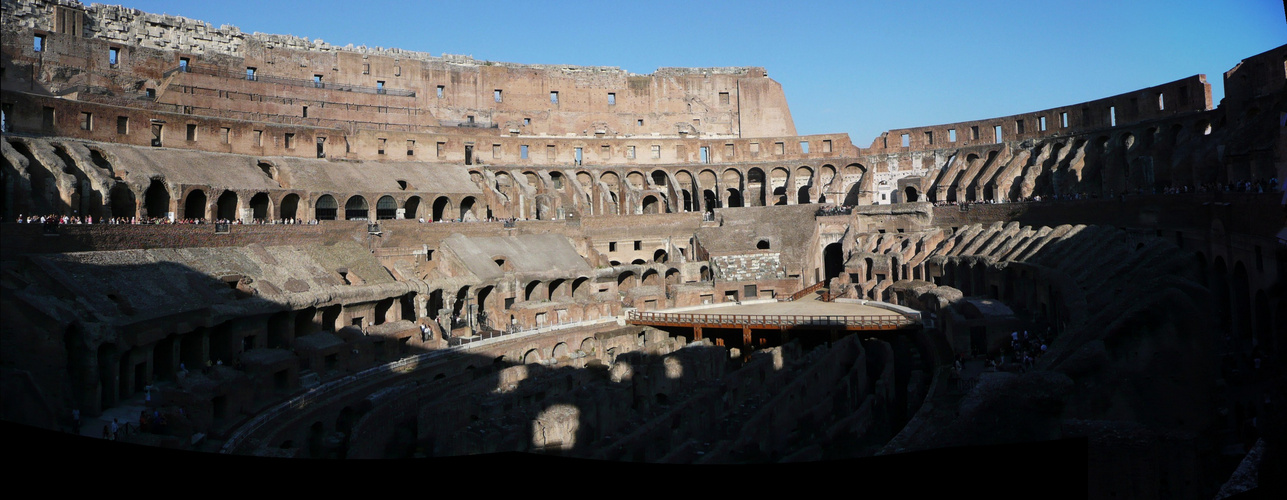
x=323, y=251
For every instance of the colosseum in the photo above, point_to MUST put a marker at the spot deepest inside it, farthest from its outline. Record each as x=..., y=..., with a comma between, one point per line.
x=264, y=245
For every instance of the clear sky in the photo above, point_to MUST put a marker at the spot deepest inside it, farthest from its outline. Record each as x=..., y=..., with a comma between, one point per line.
x=856, y=67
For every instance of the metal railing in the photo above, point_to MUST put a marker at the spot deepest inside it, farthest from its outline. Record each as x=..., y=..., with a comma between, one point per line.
x=773, y=320
x=295, y=82
x=810, y=289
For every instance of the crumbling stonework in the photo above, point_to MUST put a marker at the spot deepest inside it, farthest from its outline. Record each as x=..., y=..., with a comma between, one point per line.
x=322, y=251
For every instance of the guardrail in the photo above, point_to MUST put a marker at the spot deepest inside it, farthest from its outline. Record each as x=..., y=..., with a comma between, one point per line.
x=772, y=320
x=812, y=288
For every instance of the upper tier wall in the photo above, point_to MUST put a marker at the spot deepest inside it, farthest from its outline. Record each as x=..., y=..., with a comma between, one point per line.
x=449, y=90
x=1187, y=95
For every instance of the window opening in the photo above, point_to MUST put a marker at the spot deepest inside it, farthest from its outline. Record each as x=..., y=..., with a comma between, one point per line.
x=411, y=148
x=289, y=140
x=906, y=140
x=612, y=99
x=496, y=95
x=440, y=88
x=250, y=74
x=804, y=147
x=1041, y=123
x=997, y=132
x=123, y=125
x=951, y=135
x=38, y=44
x=554, y=97
x=192, y=131
x=522, y=151
x=86, y=121
x=113, y=56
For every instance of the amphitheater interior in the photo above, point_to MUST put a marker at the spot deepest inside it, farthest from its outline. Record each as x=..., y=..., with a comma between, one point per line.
x=277, y=247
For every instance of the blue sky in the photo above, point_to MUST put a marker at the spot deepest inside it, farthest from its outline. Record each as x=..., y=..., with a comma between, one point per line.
x=847, y=67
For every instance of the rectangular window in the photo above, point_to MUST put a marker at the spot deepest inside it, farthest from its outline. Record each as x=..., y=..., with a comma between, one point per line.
x=779, y=148
x=527, y=121
x=612, y=246
x=1018, y=126
x=440, y=89
x=496, y=151
x=317, y=81
x=705, y=154
x=259, y=137
x=826, y=145
x=1112, y=116
x=382, y=142
x=804, y=147
x=183, y=64
x=974, y=133
x=656, y=152
x=929, y=137
x=550, y=152
x=630, y=152
x=411, y=148
x=951, y=135
x=225, y=135
x=522, y=151
x=192, y=131
x=755, y=148
x=723, y=97
x=996, y=133
x=729, y=151
x=906, y=140
x=639, y=122
x=1161, y=101
x=151, y=93
x=1041, y=123
x=86, y=121
x=289, y=139
x=123, y=125
x=496, y=95
x=114, y=56
x=469, y=119
x=305, y=113
x=250, y=74
x=554, y=97
x=1063, y=119
x=612, y=99
x=605, y=151
x=379, y=86
x=157, y=130
x=38, y=44
x=638, y=245
x=442, y=149
x=366, y=68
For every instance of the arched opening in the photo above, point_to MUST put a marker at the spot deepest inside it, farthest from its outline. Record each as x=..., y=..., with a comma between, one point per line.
x=833, y=261
x=156, y=199
x=123, y=204
x=290, y=206
x=802, y=195
x=851, y=197
x=226, y=207
x=659, y=178
x=762, y=245
x=386, y=208
x=441, y=208
x=910, y=196
x=672, y=276
x=411, y=208
x=467, y=209
x=356, y=208
x=531, y=357
x=530, y=290
x=651, y=278
x=650, y=205
x=259, y=206
x=557, y=290
x=734, y=197
x=710, y=201
x=327, y=208
x=660, y=256
x=626, y=281
x=579, y=290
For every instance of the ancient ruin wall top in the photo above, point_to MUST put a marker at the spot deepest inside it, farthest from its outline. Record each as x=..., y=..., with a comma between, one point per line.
x=176, y=33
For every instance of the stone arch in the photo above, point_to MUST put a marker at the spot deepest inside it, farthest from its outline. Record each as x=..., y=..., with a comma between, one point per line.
x=356, y=208
x=579, y=288
x=672, y=276
x=441, y=208
x=910, y=195
x=290, y=206
x=467, y=209
x=651, y=278
x=532, y=356
x=530, y=290
x=386, y=208
x=650, y=205
x=194, y=205
x=156, y=200
x=260, y=207
x=558, y=290
x=660, y=256
x=560, y=350
x=626, y=281
x=326, y=208
x=411, y=208
x=123, y=204
x=226, y=207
